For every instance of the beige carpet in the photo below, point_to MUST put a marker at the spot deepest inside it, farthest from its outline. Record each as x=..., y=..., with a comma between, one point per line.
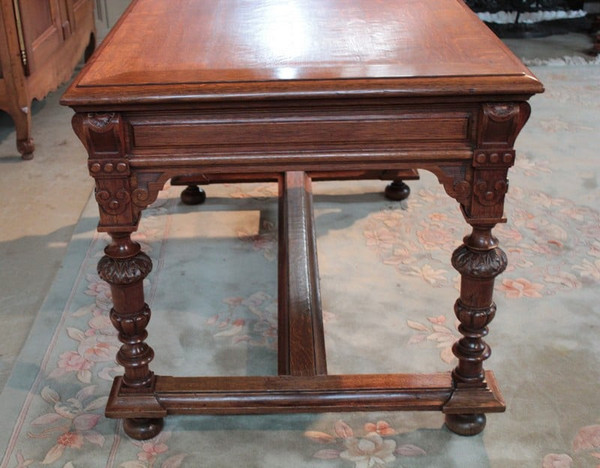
x=388, y=291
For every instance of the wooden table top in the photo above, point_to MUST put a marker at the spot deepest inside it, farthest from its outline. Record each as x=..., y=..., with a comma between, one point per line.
x=189, y=50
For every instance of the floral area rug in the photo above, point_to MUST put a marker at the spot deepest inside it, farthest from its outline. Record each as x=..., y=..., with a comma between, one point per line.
x=388, y=290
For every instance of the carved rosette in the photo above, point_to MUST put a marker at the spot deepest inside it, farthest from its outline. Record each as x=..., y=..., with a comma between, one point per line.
x=479, y=264
x=141, y=197
x=113, y=202
x=490, y=193
x=122, y=271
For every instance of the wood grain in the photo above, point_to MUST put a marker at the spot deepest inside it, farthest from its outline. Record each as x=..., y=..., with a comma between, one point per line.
x=301, y=348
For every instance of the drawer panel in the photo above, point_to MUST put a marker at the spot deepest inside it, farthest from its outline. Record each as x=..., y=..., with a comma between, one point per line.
x=298, y=133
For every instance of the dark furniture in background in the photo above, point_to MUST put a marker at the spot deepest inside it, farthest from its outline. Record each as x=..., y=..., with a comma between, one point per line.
x=40, y=43
x=520, y=29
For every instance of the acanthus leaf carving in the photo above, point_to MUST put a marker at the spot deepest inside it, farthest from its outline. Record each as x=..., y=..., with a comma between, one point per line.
x=123, y=271
x=479, y=264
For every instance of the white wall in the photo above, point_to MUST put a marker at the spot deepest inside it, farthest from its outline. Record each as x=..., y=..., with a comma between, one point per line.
x=107, y=14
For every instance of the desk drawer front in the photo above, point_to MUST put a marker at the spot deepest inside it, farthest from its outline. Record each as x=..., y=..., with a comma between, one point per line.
x=292, y=132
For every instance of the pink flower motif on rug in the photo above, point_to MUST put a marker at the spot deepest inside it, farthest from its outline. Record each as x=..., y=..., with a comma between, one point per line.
x=374, y=449
x=436, y=331
x=92, y=349
x=554, y=460
x=520, y=287
x=586, y=450
x=151, y=450
x=74, y=418
x=434, y=236
x=536, y=239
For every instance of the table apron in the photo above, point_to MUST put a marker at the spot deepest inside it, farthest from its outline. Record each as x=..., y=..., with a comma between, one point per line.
x=280, y=134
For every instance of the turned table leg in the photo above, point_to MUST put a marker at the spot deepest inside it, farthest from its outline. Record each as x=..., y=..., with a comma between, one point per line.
x=124, y=267
x=479, y=260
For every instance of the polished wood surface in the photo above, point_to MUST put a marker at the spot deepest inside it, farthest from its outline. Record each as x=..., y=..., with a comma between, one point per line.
x=291, y=91
x=233, y=47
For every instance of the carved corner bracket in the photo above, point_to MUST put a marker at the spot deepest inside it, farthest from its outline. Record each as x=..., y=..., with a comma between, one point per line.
x=120, y=192
x=456, y=180
x=500, y=123
x=498, y=127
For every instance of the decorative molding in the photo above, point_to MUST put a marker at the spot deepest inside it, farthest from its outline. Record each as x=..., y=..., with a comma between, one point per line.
x=102, y=134
x=131, y=324
x=490, y=192
x=462, y=190
x=146, y=186
x=455, y=181
x=113, y=202
x=500, y=123
x=479, y=264
x=108, y=167
x=141, y=197
x=501, y=112
x=123, y=271
x=487, y=158
x=473, y=318
x=102, y=122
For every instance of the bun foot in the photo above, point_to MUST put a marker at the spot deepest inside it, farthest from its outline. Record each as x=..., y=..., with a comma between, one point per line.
x=465, y=424
x=193, y=195
x=143, y=429
x=397, y=191
x=26, y=147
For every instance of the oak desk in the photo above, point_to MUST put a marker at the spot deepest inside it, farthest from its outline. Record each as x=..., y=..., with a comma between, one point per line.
x=290, y=90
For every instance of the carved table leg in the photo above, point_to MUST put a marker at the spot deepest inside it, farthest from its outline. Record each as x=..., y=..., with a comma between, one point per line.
x=124, y=267
x=398, y=190
x=193, y=195
x=479, y=260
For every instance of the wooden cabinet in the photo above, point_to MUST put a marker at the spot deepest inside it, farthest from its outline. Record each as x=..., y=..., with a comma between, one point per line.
x=41, y=42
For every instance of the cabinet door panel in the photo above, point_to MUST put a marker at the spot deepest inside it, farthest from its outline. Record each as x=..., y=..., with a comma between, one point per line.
x=42, y=29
